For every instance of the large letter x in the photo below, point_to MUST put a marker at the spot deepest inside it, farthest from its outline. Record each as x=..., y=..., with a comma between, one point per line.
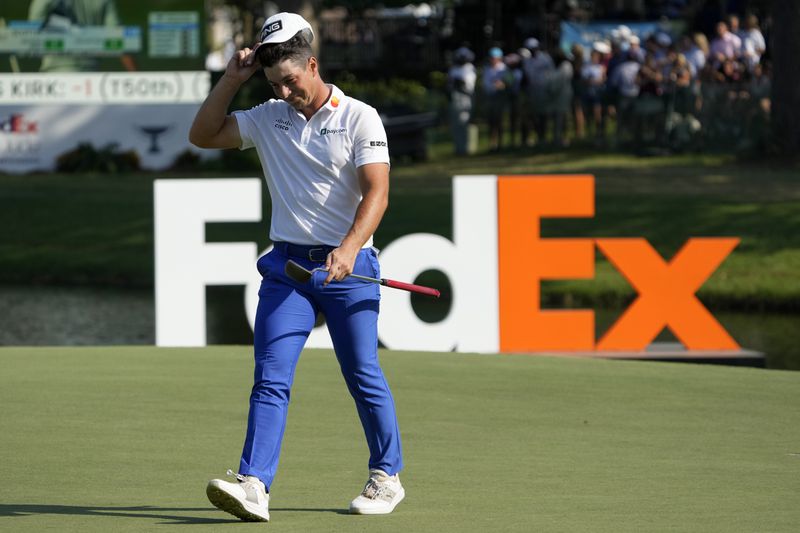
x=667, y=294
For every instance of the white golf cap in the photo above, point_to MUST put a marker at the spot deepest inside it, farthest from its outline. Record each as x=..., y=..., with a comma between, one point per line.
x=602, y=47
x=282, y=27
x=531, y=43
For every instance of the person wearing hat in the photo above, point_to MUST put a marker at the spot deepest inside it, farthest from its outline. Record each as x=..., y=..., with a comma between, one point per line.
x=461, y=80
x=593, y=81
x=635, y=49
x=536, y=71
x=516, y=126
x=326, y=162
x=559, y=90
x=496, y=83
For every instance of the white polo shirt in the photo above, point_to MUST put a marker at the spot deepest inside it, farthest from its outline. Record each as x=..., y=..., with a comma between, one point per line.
x=310, y=165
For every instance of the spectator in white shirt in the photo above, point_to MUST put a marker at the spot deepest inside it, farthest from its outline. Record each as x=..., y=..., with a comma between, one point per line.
x=461, y=80
x=753, y=43
x=735, y=28
x=695, y=48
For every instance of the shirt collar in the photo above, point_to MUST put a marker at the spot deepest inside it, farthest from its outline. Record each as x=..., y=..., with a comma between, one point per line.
x=333, y=104
x=335, y=100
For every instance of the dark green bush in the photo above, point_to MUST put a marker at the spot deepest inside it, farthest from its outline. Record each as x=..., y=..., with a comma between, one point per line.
x=228, y=161
x=392, y=96
x=108, y=159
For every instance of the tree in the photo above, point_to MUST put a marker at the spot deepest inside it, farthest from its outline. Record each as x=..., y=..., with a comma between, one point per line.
x=786, y=76
x=253, y=11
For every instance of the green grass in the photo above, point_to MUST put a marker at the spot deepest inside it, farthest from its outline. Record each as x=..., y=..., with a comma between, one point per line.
x=124, y=439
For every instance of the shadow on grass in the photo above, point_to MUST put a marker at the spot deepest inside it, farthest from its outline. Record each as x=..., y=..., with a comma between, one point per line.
x=307, y=510
x=143, y=511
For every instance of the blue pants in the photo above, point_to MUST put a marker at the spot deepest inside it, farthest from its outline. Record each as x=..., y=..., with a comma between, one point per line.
x=286, y=314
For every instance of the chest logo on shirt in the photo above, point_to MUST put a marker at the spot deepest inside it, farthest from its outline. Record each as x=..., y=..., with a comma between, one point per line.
x=332, y=131
x=282, y=124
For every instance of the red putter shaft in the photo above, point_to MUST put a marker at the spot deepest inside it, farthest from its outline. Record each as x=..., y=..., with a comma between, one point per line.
x=410, y=287
x=303, y=275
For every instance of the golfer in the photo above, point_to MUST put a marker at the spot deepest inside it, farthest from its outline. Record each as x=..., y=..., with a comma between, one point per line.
x=326, y=163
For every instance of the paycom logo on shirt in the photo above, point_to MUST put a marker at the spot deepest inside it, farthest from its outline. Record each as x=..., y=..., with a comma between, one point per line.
x=332, y=131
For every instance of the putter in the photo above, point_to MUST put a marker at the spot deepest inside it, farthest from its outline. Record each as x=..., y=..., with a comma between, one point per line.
x=303, y=275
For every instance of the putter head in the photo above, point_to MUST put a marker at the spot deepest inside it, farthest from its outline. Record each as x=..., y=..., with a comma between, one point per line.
x=297, y=272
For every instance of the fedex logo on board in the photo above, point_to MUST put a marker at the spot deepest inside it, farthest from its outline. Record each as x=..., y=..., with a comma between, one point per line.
x=16, y=124
x=496, y=263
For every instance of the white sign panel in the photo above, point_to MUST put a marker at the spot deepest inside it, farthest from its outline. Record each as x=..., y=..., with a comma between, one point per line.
x=183, y=207
x=123, y=88
x=43, y=116
x=185, y=263
x=33, y=137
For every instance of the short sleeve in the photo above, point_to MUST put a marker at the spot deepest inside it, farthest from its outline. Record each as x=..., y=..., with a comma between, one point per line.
x=369, y=142
x=247, y=127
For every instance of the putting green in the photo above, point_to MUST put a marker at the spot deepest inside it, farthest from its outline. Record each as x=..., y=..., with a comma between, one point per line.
x=124, y=439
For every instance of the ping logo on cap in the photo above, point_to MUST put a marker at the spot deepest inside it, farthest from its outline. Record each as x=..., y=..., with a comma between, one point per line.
x=272, y=28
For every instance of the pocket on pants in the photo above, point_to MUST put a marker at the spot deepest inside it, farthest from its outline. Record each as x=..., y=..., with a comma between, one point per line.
x=374, y=265
x=263, y=264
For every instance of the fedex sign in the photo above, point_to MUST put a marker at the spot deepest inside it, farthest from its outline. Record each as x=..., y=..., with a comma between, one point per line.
x=495, y=262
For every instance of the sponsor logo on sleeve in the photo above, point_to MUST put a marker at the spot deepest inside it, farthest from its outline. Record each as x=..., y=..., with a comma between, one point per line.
x=377, y=143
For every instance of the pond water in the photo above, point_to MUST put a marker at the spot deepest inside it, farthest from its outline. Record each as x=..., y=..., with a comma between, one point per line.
x=106, y=316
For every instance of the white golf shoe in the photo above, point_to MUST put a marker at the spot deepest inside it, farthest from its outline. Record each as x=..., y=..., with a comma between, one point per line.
x=381, y=494
x=246, y=499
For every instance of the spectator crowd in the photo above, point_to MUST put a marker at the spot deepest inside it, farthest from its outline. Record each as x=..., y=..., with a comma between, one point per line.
x=651, y=90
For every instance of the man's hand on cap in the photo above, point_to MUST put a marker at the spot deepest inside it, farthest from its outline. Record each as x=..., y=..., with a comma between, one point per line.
x=242, y=65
